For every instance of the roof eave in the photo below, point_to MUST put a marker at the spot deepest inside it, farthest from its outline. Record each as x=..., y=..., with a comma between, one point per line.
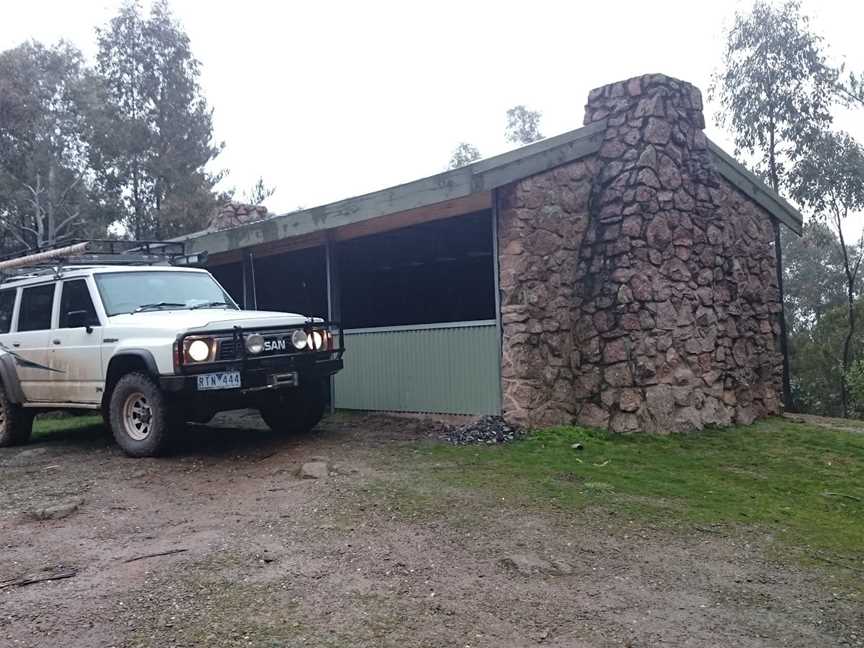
x=478, y=177
x=481, y=176
x=751, y=186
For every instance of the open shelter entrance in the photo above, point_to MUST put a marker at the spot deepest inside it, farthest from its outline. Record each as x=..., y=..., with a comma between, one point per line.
x=418, y=305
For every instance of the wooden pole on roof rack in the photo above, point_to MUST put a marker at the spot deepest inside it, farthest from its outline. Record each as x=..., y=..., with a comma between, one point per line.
x=39, y=257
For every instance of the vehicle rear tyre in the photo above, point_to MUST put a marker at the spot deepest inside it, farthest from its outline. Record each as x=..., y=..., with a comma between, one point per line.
x=140, y=415
x=16, y=422
x=296, y=410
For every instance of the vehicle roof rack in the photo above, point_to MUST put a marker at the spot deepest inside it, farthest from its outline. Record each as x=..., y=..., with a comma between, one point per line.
x=94, y=252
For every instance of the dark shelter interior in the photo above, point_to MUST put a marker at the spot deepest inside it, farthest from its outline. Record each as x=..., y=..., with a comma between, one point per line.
x=435, y=272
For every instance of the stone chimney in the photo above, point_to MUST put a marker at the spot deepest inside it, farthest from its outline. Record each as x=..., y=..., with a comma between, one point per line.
x=669, y=275
x=672, y=319
x=234, y=214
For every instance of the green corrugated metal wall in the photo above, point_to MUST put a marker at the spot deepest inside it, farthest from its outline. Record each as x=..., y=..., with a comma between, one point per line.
x=441, y=368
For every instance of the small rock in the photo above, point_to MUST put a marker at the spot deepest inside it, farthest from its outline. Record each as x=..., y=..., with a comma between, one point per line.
x=56, y=512
x=577, y=446
x=528, y=565
x=314, y=470
x=265, y=558
x=26, y=457
x=342, y=469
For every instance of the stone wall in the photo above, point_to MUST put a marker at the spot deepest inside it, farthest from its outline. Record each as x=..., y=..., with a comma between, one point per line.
x=542, y=221
x=638, y=289
x=235, y=214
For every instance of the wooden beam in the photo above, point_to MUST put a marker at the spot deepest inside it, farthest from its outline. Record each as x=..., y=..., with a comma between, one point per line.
x=269, y=249
x=449, y=209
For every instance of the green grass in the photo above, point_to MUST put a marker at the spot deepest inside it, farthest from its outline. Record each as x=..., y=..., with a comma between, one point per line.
x=47, y=426
x=776, y=474
x=801, y=483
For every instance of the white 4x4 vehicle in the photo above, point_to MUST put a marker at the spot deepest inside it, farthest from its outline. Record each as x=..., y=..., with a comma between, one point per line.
x=153, y=347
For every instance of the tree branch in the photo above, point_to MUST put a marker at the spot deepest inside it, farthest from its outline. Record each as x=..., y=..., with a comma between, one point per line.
x=69, y=188
x=67, y=221
x=12, y=230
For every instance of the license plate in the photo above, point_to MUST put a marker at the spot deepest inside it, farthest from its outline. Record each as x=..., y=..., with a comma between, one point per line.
x=221, y=380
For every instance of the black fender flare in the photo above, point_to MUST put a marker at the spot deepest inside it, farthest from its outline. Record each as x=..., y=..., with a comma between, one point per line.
x=142, y=354
x=9, y=377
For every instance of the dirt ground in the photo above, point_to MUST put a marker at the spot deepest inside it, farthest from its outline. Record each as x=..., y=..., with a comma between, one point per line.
x=265, y=558
x=846, y=425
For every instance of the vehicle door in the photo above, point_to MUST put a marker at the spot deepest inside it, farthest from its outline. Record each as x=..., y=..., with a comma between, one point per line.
x=7, y=310
x=28, y=341
x=76, y=342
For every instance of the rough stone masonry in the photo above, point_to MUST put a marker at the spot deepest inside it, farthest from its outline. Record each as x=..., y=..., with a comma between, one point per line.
x=638, y=288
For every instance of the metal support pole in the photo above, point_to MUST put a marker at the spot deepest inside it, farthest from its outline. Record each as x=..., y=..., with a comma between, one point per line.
x=784, y=336
x=496, y=273
x=334, y=299
x=250, y=298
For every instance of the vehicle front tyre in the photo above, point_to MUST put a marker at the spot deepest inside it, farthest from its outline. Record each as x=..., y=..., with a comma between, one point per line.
x=16, y=422
x=140, y=415
x=295, y=410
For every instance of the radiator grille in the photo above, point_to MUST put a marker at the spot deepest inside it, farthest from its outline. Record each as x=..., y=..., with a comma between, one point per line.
x=227, y=350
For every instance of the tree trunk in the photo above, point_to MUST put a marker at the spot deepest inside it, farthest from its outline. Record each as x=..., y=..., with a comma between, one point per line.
x=136, y=200
x=784, y=336
x=158, y=223
x=772, y=160
x=850, y=331
x=847, y=352
x=40, y=222
x=51, y=192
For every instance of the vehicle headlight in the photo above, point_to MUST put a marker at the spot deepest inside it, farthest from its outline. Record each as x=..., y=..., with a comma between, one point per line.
x=299, y=339
x=317, y=340
x=255, y=343
x=199, y=350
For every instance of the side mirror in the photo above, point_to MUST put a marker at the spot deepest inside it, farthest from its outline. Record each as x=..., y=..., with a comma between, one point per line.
x=79, y=319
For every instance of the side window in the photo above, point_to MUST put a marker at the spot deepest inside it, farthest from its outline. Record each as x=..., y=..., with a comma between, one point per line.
x=36, y=305
x=76, y=297
x=7, y=303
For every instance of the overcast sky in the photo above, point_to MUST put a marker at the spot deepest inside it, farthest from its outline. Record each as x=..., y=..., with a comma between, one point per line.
x=328, y=100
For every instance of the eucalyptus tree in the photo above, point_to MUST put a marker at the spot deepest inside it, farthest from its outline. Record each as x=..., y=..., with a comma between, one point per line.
x=813, y=276
x=830, y=181
x=259, y=192
x=523, y=125
x=154, y=132
x=46, y=191
x=851, y=90
x=463, y=154
x=775, y=89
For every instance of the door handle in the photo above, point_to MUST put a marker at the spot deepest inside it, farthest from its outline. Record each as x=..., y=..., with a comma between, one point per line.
x=16, y=344
x=55, y=341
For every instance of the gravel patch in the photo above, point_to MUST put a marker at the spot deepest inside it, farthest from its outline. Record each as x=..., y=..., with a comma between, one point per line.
x=487, y=429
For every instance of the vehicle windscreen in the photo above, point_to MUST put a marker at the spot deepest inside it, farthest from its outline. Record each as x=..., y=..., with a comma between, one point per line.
x=135, y=292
